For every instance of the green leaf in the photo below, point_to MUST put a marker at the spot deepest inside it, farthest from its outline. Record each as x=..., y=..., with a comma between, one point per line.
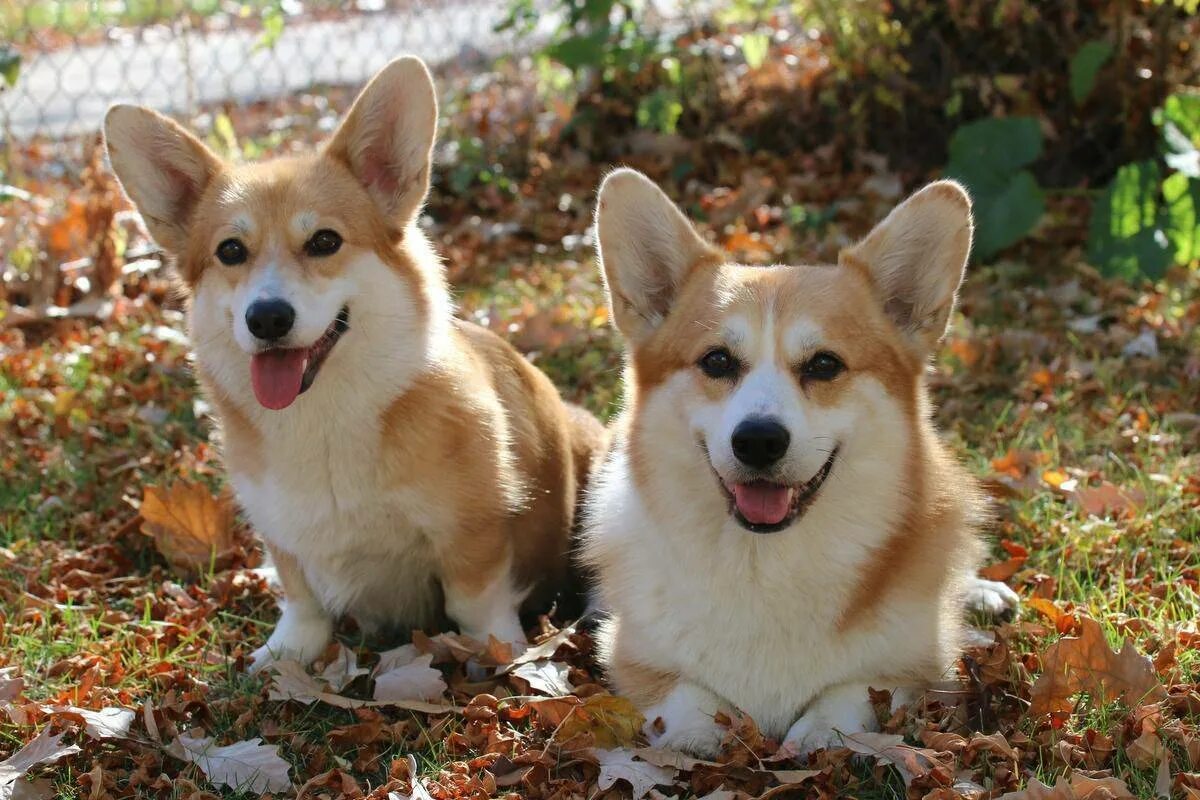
x=1085, y=64
x=1125, y=237
x=660, y=110
x=754, y=49
x=1179, y=119
x=10, y=65
x=1182, y=216
x=1003, y=218
x=986, y=153
x=989, y=156
x=582, y=50
x=272, y=22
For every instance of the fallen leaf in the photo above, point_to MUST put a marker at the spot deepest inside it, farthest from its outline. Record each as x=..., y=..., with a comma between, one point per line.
x=247, y=766
x=1086, y=663
x=547, y=677
x=613, y=721
x=416, y=680
x=292, y=682
x=911, y=762
x=107, y=723
x=45, y=748
x=1003, y=570
x=544, y=650
x=1162, y=781
x=1107, y=499
x=1076, y=787
x=620, y=765
x=190, y=527
x=343, y=669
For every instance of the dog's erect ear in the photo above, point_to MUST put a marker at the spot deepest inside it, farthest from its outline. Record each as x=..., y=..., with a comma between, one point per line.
x=163, y=168
x=916, y=258
x=387, y=138
x=646, y=248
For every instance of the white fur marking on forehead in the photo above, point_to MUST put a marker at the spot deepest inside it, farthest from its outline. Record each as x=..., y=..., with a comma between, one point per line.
x=243, y=223
x=802, y=336
x=304, y=223
x=736, y=330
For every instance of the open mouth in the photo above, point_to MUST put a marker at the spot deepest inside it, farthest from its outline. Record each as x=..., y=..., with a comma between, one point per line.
x=766, y=507
x=282, y=374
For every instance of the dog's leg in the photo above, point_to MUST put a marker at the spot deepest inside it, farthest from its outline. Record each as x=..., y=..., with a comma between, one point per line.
x=481, y=598
x=685, y=717
x=990, y=597
x=304, y=627
x=838, y=711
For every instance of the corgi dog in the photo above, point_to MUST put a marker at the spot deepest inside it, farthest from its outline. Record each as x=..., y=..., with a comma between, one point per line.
x=776, y=526
x=402, y=466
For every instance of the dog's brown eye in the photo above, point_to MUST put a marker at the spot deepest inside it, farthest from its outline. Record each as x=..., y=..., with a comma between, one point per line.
x=323, y=243
x=718, y=363
x=232, y=252
x=822, y=367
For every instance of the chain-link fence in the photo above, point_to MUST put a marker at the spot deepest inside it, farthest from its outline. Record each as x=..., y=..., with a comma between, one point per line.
x=63, y=62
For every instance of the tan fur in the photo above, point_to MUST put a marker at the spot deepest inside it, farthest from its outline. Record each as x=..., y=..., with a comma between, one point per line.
x=438, y=436
x=867, y=586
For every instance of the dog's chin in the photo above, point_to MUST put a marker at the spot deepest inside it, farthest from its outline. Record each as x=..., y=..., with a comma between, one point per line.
x=765, y=506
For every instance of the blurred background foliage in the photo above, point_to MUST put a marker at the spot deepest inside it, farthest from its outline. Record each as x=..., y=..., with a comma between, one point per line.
x=1017, y=99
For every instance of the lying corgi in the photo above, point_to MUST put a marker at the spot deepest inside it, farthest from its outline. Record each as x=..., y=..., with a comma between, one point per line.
x=398, y=462
x=776, y=527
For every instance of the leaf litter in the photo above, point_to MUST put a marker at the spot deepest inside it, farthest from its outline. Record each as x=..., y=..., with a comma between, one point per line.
x=1072, y=397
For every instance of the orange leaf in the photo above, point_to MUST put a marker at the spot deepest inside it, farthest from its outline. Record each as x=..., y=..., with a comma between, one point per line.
x=1086, y=663
x=190, y=526
x=1003, y=570
x=1054, y=478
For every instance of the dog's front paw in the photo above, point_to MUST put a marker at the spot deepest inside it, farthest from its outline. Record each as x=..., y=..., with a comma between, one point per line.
x=701, y=739
x=685, y=720
x=297, y=637
x=840, y=712
x=991, y=597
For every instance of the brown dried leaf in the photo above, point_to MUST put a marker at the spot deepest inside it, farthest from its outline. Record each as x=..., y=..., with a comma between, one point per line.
x=1076, y=787
x=45, y=748
x=190, y=526
x=1108, y=499
x=1086, y=663
x=911, y=762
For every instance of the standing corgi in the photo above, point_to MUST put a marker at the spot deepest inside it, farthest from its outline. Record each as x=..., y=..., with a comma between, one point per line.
x=398, y=463
x=777, y=527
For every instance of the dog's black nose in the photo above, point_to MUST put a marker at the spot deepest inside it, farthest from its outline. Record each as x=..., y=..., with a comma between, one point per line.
x=270, y=319
x=760, y=441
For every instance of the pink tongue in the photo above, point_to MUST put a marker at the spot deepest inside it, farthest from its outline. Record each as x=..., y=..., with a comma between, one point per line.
x=276, y=375
x=762, y=503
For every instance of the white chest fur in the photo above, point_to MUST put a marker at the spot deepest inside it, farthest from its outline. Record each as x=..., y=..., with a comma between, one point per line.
x=365, y=547
x=753, y=618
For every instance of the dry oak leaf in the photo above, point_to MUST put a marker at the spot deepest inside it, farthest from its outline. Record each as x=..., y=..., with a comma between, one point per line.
x=1076, y=787
x=107, y=723
x=45, y=748
x=1086, y=663
x=547, y=677
x=617, y=765
x=416, y=680
x=250, y=765
x=190, y=527
x=911, y=762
